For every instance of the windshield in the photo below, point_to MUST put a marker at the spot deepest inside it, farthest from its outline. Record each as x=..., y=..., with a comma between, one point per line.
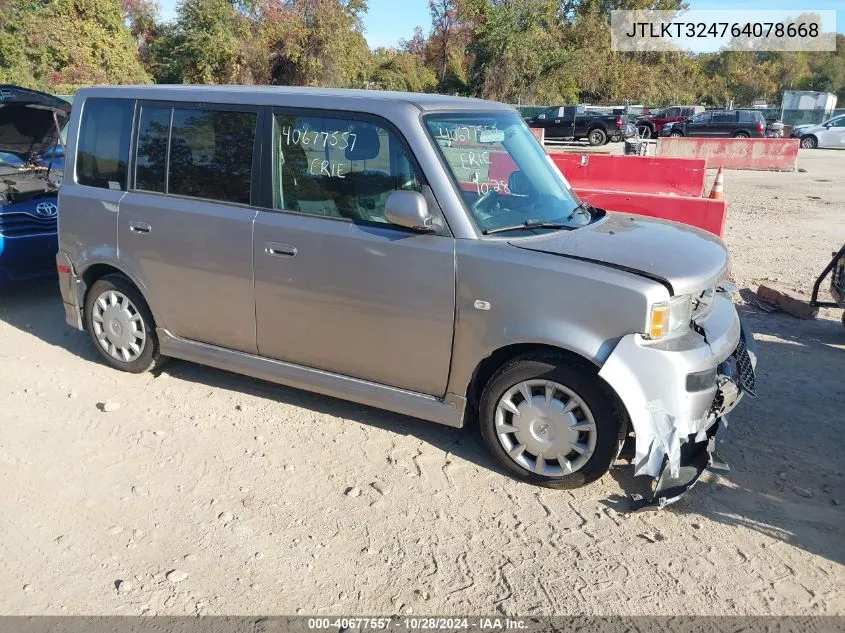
x=509, y=184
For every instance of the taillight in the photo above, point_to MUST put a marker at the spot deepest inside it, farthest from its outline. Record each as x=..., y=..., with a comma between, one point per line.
x=760, y=126
x=63, y=268
x=619, y=121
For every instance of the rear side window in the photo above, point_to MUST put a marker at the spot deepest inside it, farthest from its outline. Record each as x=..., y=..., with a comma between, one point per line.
x=211, y=154
x=201, y=153
x=724, y=117
x=102, y=152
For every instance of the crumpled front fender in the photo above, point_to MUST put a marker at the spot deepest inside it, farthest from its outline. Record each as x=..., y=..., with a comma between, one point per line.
x=650, y=378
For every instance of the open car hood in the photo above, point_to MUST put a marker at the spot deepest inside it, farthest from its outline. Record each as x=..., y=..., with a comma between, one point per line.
x=26, y=120
x=681, y=257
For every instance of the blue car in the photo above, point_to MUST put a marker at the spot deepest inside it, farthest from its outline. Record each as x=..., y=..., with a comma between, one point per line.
x=31, y=170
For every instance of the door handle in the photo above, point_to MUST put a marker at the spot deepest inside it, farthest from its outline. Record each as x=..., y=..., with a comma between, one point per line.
x=139, y=227
x=279, y=250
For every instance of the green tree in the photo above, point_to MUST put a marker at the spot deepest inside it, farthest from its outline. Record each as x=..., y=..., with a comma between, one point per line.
x=401, y=70
x=60, y=45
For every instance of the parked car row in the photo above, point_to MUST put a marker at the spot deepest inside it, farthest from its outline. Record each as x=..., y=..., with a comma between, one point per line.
x=31, y=169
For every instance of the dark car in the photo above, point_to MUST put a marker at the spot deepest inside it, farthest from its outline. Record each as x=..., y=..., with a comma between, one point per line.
x=575, y=122
x=31, y=166
x=720, y=124
x=650, y=125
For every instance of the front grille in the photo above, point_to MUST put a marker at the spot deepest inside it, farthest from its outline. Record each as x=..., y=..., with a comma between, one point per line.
x=744, y=368
x=16, y=224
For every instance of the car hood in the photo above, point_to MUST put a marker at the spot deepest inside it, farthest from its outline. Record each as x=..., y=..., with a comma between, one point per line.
x=808, y=127
x=26, y=120
x=681, y=257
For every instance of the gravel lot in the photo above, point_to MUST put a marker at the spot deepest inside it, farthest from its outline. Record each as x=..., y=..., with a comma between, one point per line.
x=243, y=487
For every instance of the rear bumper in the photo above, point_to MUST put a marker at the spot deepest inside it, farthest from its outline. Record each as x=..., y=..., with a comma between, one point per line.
x=72, y=289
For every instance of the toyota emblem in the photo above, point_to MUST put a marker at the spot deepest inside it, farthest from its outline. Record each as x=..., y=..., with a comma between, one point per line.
x=46, y=209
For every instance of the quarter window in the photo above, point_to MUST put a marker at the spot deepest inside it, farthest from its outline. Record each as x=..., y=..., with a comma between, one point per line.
x=151, y=158
x=337, y=167
x=103, y=150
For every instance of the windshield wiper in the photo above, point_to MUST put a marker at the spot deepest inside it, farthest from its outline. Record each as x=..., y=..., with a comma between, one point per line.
x=583, y=206
x=528, y=224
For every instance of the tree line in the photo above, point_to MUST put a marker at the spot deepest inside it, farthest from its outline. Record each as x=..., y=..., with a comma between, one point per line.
x=516, y=51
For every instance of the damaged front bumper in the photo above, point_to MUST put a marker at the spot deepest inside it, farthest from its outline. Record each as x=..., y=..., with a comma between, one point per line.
x=674, y=416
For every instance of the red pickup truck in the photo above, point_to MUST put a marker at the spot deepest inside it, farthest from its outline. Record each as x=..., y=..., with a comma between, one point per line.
x=649, y=125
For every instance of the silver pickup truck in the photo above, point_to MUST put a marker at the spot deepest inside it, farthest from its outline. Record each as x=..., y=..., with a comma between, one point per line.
x=417, y=253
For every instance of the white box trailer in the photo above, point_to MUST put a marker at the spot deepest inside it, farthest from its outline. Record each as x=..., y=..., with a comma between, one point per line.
x=809, y=100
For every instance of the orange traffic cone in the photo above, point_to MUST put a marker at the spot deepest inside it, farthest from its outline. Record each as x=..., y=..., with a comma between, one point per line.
x=718, y=190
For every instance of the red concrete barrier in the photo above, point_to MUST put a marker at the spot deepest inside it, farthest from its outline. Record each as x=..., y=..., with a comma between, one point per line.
x=658, y=181
x=676, y=176
x=633, y=173
x=706, y=214
x=771, y=154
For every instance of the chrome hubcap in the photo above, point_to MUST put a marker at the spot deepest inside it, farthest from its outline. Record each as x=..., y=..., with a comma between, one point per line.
x=545, y=427
x=118, y=326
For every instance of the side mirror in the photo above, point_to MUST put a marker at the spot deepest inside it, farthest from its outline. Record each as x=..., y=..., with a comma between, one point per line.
x=408, y=209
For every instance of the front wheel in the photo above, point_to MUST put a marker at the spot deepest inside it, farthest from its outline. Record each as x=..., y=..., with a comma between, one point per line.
x=121, y=326
x=551, y=421
x=809, y=142
x=644, y=131
x=597, y=137
x=675, y=134
x=741, y=135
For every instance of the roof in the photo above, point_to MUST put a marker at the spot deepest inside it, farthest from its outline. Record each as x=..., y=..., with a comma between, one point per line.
x=289, y=95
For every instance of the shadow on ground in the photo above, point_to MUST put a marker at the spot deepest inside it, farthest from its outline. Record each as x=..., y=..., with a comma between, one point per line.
x=782, y=446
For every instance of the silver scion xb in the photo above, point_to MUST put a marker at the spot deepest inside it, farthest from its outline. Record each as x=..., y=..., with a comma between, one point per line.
x=413, y=252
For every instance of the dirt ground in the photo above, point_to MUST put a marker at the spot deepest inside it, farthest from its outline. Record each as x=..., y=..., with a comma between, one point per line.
x=242, y=485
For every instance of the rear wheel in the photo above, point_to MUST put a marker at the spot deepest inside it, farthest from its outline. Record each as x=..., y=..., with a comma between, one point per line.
x=741, y=135
x=121, y=326
x=550, y=421
x=675, y=133
x=597, y=137
x=809, y=142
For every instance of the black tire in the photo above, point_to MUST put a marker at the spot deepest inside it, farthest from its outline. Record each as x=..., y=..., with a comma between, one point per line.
x=149, y=356
x=597, y=136
x=742, y=135
x=676, y=134
x=809, y=142
x=582, y=379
